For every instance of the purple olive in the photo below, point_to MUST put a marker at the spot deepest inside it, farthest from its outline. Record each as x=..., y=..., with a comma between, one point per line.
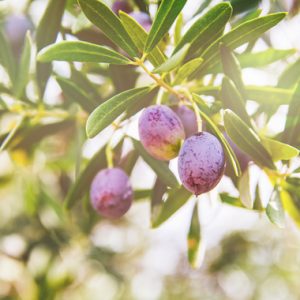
x=111, y=193
x=201, y=163
x=188, y=119
x=161, y=132
x=241, y=156
x=15, y=28
x=143, y=19
x=121, y=5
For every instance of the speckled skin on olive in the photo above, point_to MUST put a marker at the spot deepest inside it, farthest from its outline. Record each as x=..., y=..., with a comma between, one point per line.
x=188, y=119
x=121, y=5
x=143, y=19
x=201, y=163
x=161, y=132
x=111, y=193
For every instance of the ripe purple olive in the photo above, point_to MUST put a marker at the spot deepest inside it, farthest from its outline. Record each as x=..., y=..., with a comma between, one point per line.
x=188, y=119
x=241, y=156
x=143, y=19
x=111, y=193
x=121, y=5
x=201, y=163
x=15, y=28
x=161, y=132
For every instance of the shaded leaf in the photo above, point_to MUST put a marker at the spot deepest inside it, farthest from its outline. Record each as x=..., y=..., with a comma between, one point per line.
x=290, y=76
x=205, y=28
x=108, y=111
x=246, y=139
x=175, y=200
x=160, y=168
x=102, y=16
x=82, y=52
x=244, y=189
x=158, y=191
x=164, y=19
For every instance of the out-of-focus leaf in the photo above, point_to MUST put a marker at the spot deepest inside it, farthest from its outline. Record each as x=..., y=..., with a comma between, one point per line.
x=240, y=35
x=142, y=5
x=278, y=150
x=139, y=36
x=274, y=210
x=158, y=191
x=240, y=6
x=244, y=189
x=175, y=200
x=102, y=16
x=292, y=125
x=228, y=150
x=249, y=16
x=142, y=194
x=205, y=28
x=290, y=206
x=231, y=200
x=160, y=168
x=6, y=57
x=174, y=61
x=81, y=51
x=258, y=205
x=76, y=95
x=232, y=69
x=82, y=184
x=246, y=139
x=178, y=29
x=108, y=111
x=194, y=239
x=166, y=15
x=129, y=161
x=23, y=70
x=185, y=70
x=46, y=34
x=233, y=100
x=204, y=5
x=290, y=76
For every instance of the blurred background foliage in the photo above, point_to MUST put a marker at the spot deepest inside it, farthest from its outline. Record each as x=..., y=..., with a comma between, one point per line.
x=48, y=253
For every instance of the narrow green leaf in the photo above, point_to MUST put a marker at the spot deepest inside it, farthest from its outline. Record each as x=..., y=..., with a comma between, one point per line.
x=249, y=16
x=174, y=61
x=278, y=150
x=227, y=199
x=6, y=57
x=82, y=184
x=187, y=69
x=205, y=28
x=46, y=34
x=290, y=207
x=139, y=36
x=290, y=76
x=166, y=15
x=178, y=29
x=102, y=16
x=175, y=200
x=233, y=100
x=82, y=52
x=274, y=210
x=228, y=150
x=158, y=192
x=194, y=239
x=204, y=5
x=246, y=139
x=241, y=6
x=24, y=67
x=160, y=168
x=240, y=35
x=292, y=124
x=74, y=93
x=108, y=111
x=232, y=69
x=141, y=194
x=244, y=189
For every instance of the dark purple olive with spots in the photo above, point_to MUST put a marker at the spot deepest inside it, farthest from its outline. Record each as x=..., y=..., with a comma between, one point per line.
x=161, y=132
x=143, y=19
x=15, y=28
x=241, y=156
x=121, y=5
x=201, y=163
x=188, y=119
x=111, y=193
